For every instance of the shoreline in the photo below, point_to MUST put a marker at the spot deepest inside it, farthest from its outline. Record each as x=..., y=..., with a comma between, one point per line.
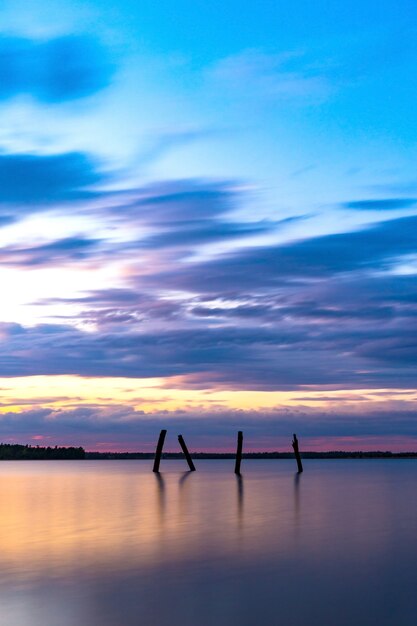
x=19, y=452
x=213, y=456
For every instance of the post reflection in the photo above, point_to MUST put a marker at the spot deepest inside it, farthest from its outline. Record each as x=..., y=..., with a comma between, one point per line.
x=183, y=491
x=240, y=499
x=297, y=478
x=183, y=478
x=161, y=496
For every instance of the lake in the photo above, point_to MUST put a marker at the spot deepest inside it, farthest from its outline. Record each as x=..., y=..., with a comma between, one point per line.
x=110, y=543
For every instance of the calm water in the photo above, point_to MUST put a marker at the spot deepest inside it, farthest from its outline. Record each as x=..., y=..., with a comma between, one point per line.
x=110, y=543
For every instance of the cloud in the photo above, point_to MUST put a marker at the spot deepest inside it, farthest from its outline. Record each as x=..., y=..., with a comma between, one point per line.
x=206, y=231
x=62, y=251
x=188, y=213
x=158, y=145
x=180, y=202
x=378, y=247
x=212, y=429
x=31, y=182
x=284, y=355
x=115, y=307
x=256, y=74
x=320, y=310
x=56, y=70
x=55, y=349
x=386, y=204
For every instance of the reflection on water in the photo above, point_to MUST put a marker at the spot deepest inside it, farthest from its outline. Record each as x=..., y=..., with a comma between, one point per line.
x=239, y=482
x=297, y=478
x=112, y=543
x=161, y=495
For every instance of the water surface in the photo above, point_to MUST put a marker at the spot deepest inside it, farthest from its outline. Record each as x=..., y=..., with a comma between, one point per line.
x=110, y=543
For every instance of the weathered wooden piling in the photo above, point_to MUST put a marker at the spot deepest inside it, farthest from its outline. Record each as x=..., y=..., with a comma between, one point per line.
x=239, y=452
x=158, y=452
x=297, y=453
x=186, y=453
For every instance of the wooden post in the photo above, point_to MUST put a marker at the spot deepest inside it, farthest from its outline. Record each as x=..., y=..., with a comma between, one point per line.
x=239, y=452
x=158, y=452
x=297, y=453
x=187, y=454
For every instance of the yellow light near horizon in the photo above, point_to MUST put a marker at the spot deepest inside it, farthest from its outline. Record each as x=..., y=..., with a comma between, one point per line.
x=152, y=395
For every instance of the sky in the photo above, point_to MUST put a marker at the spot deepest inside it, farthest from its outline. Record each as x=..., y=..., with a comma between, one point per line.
x=208, y=223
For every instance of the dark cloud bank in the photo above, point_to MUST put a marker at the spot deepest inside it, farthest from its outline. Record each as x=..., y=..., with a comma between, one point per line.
x=120, y=427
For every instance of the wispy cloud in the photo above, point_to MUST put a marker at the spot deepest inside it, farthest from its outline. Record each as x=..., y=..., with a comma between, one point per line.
x=256, y=74
x=59, y=252
x=382, y=204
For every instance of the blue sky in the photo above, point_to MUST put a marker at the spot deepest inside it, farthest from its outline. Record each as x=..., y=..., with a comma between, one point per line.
x=204, y=200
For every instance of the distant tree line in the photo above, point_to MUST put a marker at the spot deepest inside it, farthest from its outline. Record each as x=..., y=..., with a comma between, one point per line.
x=17, y=452
x=335, y=454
